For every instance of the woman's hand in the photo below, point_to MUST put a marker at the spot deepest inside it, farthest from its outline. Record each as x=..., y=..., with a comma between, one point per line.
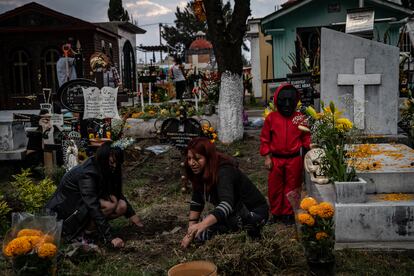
x=186, y=241
x=136, y=220
x=196, y=229
x=117, y=243
x=268, y=162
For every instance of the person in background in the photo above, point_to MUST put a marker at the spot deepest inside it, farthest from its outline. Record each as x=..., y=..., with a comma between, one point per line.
x=281, y=143
x=178, y=76
x=90, y=194
x=65, y=66
x=237, y=204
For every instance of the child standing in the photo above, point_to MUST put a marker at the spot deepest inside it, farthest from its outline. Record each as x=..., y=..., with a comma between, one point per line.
x=280, y=143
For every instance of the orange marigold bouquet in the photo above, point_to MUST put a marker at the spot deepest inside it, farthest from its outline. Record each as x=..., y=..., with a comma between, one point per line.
x=317, y=229
x=209, y=132
x=32, y=244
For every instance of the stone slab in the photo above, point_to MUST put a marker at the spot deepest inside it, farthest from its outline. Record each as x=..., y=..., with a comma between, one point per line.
x=143, y=129
x=18, y=154
x=12, y=136
x=374, y=223
x=396, y=174
x=379, y=59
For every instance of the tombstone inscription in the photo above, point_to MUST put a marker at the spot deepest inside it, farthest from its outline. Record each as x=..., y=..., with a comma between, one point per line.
x=180, y=132
x=302, y=82
x=70, y=94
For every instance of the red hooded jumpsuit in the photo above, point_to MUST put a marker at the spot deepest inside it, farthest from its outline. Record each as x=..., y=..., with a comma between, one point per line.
x=281, y=138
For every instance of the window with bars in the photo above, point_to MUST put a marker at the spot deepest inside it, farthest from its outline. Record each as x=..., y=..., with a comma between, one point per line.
x=405, y=43
x=49, y=60
x=20, y=73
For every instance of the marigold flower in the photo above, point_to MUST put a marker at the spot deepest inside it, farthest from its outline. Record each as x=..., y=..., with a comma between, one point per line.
x=307, y=202
x=211, y=129
x=18, y=246
x=34, y=240
x=314, y=210
x=29, y=232
x=7, y=251
x=326, y=210
x=306, y=219
x=321, y=235
x=46, y=250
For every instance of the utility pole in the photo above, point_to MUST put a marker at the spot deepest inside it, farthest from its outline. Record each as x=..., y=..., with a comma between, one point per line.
x=160, y=26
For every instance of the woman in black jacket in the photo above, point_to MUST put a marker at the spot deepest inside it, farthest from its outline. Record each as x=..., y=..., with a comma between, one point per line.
x=237, y=203
x=90, y=194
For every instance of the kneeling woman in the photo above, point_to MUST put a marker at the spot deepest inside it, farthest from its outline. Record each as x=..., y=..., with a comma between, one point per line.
x=215, y=178
x=90, y=194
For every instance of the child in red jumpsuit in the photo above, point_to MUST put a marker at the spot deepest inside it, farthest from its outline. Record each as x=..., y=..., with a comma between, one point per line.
x=280, y=143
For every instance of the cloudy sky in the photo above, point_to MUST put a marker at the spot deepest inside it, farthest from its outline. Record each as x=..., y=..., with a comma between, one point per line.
x=148, y=13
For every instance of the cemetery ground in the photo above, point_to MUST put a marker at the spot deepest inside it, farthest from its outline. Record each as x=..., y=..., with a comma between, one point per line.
x=152, y=184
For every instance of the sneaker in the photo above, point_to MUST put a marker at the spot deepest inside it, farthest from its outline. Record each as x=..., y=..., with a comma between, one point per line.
x=275, y=219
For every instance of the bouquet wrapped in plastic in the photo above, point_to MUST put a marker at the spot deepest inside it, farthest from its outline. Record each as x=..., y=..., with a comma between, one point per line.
x=32, y=244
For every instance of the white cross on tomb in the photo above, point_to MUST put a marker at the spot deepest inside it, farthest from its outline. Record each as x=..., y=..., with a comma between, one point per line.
x=359, y=79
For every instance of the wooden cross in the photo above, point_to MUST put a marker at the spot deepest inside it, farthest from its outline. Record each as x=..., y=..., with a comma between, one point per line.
x=359, y=79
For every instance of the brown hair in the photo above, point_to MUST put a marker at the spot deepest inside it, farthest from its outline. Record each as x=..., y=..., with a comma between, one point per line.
x=214, y=159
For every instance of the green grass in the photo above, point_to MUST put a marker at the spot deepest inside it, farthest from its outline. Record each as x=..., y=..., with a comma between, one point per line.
x=153, y=188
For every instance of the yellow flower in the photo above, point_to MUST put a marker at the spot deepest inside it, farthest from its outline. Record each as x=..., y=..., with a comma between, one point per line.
x=307, y=202
x=343, y=124
x=307, y=219
x=214, y=135
x=326, y=210
x=212, y=141
x=91, y=135
x=211, y=129
x=312, y=112
x=314, y=210
x=46, y=250
x=266, y=112
x=321, y=235
x=29, y=232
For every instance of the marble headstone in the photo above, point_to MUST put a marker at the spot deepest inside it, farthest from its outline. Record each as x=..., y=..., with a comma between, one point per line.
x=361, y=77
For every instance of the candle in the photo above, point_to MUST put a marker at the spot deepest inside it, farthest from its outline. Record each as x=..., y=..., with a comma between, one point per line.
x=195, y=90
x=149, y=93
x=142, y=96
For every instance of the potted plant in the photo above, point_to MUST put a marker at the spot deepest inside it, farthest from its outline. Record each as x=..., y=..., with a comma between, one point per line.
x=316, y=227
x=331, y=132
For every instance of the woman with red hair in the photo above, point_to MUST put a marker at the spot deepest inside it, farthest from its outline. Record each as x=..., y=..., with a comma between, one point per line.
x=236, y=202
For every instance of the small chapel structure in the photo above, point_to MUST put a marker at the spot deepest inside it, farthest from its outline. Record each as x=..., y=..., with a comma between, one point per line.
x=31, y=39
x=200, y=53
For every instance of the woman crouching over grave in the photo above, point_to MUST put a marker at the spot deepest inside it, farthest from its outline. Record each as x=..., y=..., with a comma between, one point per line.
x=90, y=194
x=237, y=203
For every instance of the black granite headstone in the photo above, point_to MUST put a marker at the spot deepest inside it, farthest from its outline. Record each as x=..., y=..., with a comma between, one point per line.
x=180, y=132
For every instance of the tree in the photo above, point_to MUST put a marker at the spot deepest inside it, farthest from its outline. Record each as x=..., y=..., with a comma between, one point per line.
x=184, y=32
x=116, y=12
x=227, y=39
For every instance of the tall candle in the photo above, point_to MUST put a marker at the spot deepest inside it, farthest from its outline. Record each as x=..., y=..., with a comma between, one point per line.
x=149, y=93
x=142, y=96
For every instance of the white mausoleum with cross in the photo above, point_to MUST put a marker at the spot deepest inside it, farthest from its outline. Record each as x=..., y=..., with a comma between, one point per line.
x=361, y=77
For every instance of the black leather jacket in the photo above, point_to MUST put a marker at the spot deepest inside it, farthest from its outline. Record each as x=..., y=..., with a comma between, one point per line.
x=76, y=201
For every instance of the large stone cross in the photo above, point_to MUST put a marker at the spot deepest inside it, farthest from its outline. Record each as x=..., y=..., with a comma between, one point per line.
x=359, y=79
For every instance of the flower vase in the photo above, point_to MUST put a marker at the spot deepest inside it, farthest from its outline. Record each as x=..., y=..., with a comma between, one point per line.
x=321, y=267
x=351, y=192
